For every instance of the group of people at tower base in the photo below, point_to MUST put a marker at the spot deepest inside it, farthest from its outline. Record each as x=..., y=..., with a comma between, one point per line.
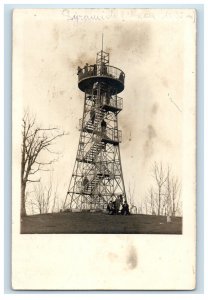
x=118, y=206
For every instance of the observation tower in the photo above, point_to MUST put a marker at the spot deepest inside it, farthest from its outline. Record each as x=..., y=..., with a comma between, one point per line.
x=97, y=176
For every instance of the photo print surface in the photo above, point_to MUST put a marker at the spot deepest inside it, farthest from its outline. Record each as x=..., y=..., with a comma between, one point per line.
x=104, y=134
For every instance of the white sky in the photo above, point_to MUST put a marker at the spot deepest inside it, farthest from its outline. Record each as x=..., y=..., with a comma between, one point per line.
x=150, y=46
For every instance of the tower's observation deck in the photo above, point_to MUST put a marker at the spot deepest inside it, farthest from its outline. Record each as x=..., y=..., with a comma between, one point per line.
x=101, y=72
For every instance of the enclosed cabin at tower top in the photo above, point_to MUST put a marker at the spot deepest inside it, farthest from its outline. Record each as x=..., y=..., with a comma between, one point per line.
x=101, y=72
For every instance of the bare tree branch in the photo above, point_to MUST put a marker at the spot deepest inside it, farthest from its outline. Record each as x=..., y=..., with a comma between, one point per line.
x=34, y=141
x=163, y=197
x=46, y=196
x=28, y=180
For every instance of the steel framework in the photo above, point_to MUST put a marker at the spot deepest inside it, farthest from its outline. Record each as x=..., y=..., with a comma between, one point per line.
x=97, y=175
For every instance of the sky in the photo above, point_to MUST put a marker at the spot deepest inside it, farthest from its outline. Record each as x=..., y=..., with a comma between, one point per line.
x=150, y=46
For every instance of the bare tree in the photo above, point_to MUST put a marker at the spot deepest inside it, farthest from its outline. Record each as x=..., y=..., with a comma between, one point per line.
x=55, y=205
x=151, y=198
x=35, y=140
x=45, y=197
x=175, y=196
x=130, y=197
x=163, y=198
x=39, y=201
x=172, y=194
x=149, y=205
x=29, y=201
x=160, y=178
x=146, y=206
x=166, y=207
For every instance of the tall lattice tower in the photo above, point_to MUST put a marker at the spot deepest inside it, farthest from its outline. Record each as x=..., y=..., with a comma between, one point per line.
x=97, y=176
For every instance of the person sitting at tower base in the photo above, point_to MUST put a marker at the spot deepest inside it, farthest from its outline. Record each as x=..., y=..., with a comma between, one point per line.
x=125, y=209
x=111, y=208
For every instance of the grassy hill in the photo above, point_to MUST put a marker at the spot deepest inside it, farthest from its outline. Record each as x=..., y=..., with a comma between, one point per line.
x=85, y=222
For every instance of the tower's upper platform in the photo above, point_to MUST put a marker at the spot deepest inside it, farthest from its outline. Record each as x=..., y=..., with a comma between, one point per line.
x=101, y=72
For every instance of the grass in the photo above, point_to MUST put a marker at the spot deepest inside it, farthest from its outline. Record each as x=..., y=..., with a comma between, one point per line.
x=85, y=222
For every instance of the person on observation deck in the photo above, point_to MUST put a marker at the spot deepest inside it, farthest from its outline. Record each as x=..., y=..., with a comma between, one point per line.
x=103, y=69
x=121, y=76
x=95, y=70
x=79, y=70
x=86, y=69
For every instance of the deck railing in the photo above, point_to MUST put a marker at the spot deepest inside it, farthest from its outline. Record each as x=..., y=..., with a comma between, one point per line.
x=101, y=70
